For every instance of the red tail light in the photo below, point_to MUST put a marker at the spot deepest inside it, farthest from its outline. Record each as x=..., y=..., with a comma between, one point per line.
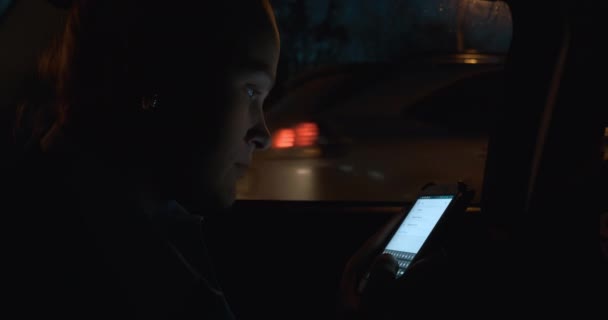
x=284, y=138
x=304, y=134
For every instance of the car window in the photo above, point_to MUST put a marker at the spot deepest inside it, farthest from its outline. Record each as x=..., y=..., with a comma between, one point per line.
x=4, y=5
x=377, y=98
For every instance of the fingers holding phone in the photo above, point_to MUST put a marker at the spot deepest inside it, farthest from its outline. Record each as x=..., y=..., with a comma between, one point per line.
x=408, y=260
x=387, y=296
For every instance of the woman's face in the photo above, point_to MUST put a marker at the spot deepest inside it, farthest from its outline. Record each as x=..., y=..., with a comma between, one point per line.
x=223, y=124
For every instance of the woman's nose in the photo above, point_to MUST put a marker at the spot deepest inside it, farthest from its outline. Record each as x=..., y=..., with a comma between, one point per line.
x=259, y=135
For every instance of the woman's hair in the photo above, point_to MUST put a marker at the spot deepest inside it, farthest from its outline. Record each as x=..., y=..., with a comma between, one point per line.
x=114, y=52
x=80, y=73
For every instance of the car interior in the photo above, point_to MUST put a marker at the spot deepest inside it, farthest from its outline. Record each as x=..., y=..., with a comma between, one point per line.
x=544, y=146
x=545, y=169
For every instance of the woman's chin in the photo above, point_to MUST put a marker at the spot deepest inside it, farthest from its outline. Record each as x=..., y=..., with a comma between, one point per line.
x=206, y=202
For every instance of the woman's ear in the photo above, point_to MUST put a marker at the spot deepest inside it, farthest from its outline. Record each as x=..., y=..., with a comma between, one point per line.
x=150, y=102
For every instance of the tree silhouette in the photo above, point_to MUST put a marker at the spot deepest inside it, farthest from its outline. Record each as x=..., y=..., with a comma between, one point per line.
x=330, y=36
x=295, y=23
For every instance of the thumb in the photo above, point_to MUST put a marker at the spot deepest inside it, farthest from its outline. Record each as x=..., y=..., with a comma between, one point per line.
x=381, y=278
x=383, y=272
x=378, y=291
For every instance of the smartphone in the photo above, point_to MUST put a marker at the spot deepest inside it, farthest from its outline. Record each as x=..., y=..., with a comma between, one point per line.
x=420, y=229
x=416, y=228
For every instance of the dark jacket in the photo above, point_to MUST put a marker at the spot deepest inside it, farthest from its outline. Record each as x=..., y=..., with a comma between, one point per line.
x=79, y=247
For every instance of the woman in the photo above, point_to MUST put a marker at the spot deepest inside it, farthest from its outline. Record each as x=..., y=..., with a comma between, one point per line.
x=154, y=112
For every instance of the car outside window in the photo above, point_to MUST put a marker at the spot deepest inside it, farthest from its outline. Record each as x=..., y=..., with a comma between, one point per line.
x=377, y=98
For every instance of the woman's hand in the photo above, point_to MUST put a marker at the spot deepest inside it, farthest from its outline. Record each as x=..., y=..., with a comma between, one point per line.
x=381, y=269
x=370, y=289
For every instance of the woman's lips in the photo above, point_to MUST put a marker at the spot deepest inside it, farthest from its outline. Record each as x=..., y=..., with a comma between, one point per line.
x=241, y=169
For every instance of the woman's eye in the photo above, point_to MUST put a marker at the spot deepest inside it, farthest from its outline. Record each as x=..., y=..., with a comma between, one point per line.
x=251, y=93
